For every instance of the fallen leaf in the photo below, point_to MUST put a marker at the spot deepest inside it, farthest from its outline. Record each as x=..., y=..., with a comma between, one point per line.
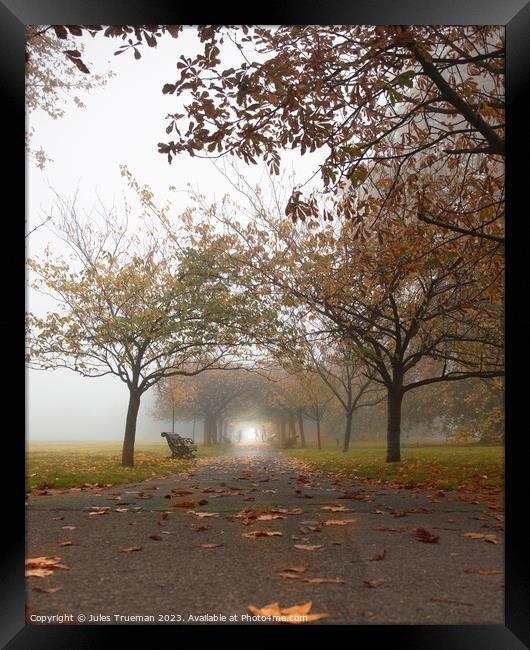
x=130, y=549
x=210, y=545
x=295, y=569
x=201, y=527
x=202, y=515
x=69, y=527
x=156, y=537
x=423, y=535
x=339, y=522
x=263, y=533
x=38, y=573
x=290, y=576
x=184, y=504
x=296, y=614
x=269, y=517
x=324, y=581
x=67, y=542
x=51, y=563
x=374, y=583
x=492, y=539
x=181, y=493
x=484, y=572
x=309, y=547
x=121, y=509
x=336, y=508
x=378, y=556
x=47, y=590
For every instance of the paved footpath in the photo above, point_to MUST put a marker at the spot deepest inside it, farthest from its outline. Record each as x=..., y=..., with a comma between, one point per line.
x=174, y=578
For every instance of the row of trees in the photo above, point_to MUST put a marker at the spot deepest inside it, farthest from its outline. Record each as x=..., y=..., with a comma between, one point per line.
x=384, y=281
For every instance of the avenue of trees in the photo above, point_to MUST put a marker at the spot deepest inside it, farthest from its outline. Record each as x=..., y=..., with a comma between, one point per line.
x=378, y=291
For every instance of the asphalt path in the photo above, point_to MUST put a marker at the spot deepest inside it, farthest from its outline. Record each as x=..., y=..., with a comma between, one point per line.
x=176, y=580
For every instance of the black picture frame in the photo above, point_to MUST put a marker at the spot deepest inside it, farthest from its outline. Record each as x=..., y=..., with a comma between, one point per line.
x=515, y=15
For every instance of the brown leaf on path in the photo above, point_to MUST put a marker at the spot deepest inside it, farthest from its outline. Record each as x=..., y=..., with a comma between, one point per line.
x=423, y=535
x=309, y=547
x=267, y=517
x=184, y=504
x=203, y=515
x=263, y=533
x=121, y=509
x=180, y=493
x=492, y=539
x=295, y=569
x=378, y=512
x=325, y=581
x=58, y=518
x=378, y=556
x=374, y=583
x=290, y=576
x=338, y=522
x=156, y=537
x=47, y=590
x=484, y=572
x=130, y=549
x=51, y=563
x=38, y=573
x=209, y=545
x=67, y=542
x=69, y=527
x=295, y=614
x=201, y=527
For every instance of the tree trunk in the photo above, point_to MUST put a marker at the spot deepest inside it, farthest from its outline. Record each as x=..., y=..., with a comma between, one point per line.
x=301, y=427
x=319, y=443
x=213, y=430
x=207, y=436
x=282, y=432
x=127, y=455
x=393, y=429
x=292, y=431
x=347, y=431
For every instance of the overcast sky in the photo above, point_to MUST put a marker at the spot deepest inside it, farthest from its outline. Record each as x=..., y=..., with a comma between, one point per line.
x=121, y=124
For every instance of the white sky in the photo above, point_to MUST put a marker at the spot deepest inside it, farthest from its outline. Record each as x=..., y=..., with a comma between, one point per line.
x=121, y=124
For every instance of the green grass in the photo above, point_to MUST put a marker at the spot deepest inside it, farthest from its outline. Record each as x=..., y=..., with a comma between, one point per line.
x=72, y=464
x=446, y=467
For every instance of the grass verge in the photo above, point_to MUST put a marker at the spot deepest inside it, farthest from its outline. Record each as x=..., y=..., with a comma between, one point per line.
x=73, y=464
x=444, y=467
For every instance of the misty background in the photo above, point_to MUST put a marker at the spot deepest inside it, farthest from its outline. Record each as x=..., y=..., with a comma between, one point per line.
x=121, y=123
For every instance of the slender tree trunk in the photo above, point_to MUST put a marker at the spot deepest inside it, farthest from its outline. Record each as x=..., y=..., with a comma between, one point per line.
x=207, y=434
x=301, y=427
x=214, y=430
x=127, y=455
x=347, y=431
x=292, y=430
x=393, y=430
x=319, y=443
x=282, y=432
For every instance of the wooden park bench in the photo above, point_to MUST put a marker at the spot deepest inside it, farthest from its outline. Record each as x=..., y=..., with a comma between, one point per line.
x=180, y=447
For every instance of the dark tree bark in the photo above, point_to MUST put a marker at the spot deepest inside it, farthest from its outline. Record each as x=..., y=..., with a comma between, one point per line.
x=292, y=431
x=347, y=431
x=127, y=456
x=393, y=431
x=301, y=427
x=319, y=443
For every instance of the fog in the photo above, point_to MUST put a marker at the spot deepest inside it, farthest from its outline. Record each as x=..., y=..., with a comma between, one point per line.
x=121, y=123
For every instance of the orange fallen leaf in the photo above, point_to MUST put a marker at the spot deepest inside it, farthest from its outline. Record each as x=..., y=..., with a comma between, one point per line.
x=38, y=573
x=378, y=556
x=492, y=539
x=130, y=549
x=374, y=583
x=184, y=504
x=263, y=533
x=47, y=590
x=296, y=614
x=67, y=542
x=323, y=581
x=484, y=572
x=269, y=517
x=209, y=545
x=45, y=563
